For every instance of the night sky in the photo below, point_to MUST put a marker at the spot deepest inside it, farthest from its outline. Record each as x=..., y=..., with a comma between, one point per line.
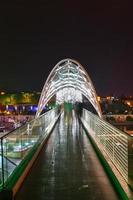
x=35, y=36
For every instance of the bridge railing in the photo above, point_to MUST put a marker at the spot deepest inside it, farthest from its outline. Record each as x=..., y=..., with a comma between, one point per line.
x=16, y=145
x=115, y=145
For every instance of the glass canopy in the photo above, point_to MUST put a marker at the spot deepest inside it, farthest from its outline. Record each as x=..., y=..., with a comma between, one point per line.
x=68, y=81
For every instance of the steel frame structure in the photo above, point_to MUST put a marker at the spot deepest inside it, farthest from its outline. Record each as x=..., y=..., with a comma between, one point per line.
x=68, y=73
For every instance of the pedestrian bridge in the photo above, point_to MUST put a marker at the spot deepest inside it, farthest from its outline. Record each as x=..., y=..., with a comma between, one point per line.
x=76, y=154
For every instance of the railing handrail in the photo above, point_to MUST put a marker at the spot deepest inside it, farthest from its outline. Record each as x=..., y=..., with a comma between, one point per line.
x=110, y=125
x=10, y=132
x=23, y=147
x=114, y=147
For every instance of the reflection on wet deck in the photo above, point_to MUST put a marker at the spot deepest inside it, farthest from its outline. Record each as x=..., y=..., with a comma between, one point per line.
x=67, y=168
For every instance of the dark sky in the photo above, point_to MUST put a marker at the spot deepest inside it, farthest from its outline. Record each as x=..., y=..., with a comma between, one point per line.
x=35, y=36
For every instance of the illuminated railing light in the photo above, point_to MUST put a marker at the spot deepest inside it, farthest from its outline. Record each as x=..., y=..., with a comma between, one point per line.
x=110, y=140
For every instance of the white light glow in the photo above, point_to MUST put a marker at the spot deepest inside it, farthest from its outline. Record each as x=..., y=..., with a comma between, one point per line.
x=68, y=81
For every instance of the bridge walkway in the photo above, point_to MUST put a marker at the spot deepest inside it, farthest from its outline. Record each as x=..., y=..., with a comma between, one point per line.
x=67, y=168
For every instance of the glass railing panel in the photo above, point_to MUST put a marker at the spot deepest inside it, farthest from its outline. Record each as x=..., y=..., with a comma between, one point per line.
x=112, y=141
x=17, y=144
x=9, y=156
x=1, y=177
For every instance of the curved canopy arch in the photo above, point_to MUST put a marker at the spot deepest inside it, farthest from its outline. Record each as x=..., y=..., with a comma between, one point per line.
x=68, y=79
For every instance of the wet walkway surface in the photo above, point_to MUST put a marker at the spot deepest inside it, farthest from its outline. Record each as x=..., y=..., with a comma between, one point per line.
x=67, y=169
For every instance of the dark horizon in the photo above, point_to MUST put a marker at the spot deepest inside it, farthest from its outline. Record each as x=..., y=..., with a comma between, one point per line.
x=34, y=37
